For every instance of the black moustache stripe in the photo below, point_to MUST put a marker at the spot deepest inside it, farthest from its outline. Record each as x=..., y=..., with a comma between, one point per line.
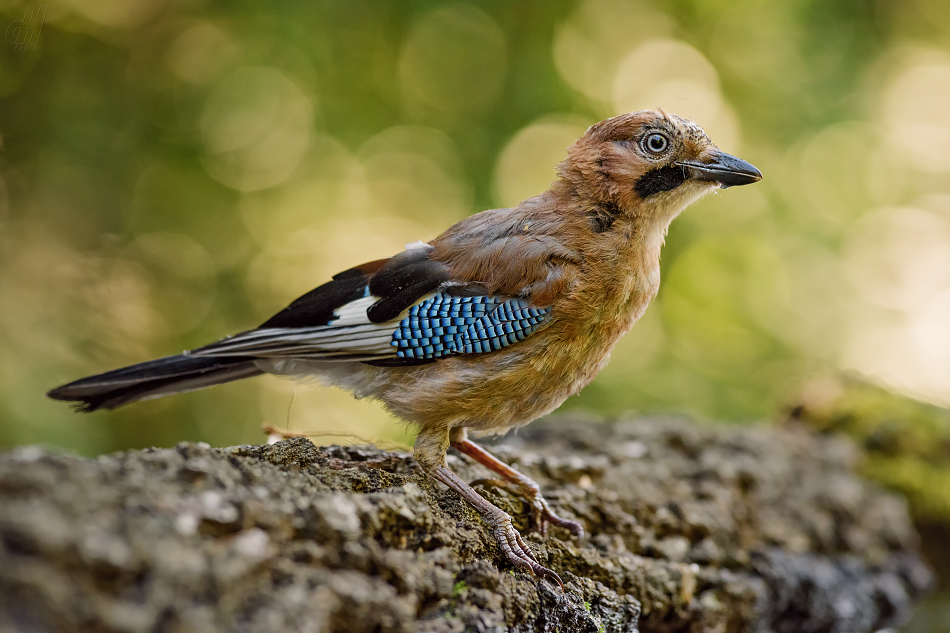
x=658, y=180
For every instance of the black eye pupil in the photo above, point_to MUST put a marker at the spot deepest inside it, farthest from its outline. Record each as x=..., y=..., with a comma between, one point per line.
x=656, y=143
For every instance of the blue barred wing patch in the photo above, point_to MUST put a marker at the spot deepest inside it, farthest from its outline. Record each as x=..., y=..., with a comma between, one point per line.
x=434, y=327
x=512, y=321
x=446, y=325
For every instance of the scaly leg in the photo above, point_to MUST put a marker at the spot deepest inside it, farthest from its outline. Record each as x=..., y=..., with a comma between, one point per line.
x=540, y=510
x=512, y=545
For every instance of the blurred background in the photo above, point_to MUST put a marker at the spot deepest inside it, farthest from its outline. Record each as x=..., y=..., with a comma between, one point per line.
x=172, y=171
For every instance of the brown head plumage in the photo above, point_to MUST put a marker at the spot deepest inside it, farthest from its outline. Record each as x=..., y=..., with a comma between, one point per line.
x=647, y=162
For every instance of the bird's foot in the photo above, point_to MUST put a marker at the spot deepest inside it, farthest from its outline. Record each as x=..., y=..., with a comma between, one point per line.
x=541, y=513
x=517, y=551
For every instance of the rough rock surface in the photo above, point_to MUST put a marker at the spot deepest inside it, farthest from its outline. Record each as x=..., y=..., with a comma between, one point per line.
x=690, y=528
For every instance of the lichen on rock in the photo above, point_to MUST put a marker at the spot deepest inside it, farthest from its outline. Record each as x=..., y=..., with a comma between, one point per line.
x=690, y=528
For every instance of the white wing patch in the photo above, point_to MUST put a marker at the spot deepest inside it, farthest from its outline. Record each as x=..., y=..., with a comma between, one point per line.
x=418, y=244
x=353, y=313
x=350, y=336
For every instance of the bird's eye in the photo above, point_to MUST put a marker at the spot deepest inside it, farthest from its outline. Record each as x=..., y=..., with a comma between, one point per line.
x=656, y=143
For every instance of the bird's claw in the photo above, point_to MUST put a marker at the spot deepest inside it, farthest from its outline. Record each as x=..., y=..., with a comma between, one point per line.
x=541, y=512
x=518, y=552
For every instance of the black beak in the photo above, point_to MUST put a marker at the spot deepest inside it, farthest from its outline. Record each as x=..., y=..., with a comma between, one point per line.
x=725, y=169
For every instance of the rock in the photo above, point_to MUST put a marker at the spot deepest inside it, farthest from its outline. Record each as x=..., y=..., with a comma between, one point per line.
x=690, y=528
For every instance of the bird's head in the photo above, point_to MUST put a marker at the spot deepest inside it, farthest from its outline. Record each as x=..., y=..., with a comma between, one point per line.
x=650, y=164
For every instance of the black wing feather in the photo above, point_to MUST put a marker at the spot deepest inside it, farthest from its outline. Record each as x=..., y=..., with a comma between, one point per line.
x=398, y=282
x=317, y=306
x=409, y=268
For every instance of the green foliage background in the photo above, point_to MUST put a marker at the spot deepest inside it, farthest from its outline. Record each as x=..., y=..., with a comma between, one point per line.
x=172, y=171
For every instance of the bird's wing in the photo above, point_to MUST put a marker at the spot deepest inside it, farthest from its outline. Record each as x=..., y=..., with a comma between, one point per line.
x=406, y=310
x=516, y=252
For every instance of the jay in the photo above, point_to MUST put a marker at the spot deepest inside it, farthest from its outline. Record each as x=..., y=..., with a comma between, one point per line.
x=489, y=326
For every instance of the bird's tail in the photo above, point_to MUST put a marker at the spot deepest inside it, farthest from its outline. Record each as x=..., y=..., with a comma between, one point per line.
x=152, y=379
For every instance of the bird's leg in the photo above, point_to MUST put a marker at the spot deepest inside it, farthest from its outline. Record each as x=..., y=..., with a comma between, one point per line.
x=509, y=540
x=541, y=512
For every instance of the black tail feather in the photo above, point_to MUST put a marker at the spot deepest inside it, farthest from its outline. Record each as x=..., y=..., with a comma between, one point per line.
x=152, y=379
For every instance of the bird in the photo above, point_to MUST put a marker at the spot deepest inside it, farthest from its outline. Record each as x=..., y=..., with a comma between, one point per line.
x=490, y=325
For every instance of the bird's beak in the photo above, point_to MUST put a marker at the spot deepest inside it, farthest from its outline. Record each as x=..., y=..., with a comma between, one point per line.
x=723, y=168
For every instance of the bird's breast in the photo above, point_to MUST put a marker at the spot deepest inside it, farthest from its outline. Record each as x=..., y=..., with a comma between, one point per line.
x=601, y=309
x=609, y=298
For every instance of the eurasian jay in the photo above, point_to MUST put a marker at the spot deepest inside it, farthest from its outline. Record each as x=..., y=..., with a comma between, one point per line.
x=490, y=325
